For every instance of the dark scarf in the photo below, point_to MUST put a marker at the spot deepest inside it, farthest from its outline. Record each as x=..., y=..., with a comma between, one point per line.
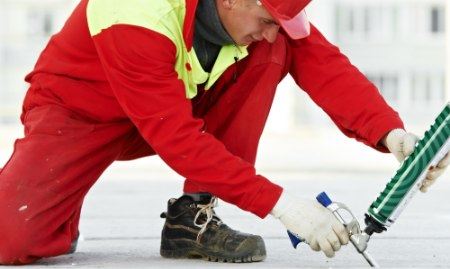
x=209, y=35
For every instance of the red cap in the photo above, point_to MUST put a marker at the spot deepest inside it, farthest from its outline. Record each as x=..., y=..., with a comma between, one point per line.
x=290, y=15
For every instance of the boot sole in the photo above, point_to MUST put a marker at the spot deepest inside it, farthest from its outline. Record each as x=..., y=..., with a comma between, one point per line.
x=189, y=250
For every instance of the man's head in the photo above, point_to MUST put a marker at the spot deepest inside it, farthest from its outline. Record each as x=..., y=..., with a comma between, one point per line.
x=249, y=21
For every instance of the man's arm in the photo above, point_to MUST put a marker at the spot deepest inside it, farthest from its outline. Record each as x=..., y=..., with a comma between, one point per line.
x=140, y=67
x=351, y=100
x=139, y=64
x=341, y=90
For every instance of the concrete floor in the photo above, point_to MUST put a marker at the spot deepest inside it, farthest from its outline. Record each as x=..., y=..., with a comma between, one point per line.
x=121, y=226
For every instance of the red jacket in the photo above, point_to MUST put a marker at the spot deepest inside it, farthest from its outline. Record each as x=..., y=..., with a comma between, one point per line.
x=105, y=78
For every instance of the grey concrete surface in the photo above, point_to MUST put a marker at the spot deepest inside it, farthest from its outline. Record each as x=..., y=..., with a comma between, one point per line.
x=120, y=225
x=120, y=221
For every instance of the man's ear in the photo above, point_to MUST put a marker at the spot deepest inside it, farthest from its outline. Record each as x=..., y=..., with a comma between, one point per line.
x=227, y=4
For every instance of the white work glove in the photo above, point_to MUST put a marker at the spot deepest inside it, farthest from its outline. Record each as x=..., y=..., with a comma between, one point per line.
x=312, y=222
x=401, y=144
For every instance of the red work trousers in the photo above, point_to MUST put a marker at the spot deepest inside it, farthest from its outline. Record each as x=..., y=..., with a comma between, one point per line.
x=52, y=168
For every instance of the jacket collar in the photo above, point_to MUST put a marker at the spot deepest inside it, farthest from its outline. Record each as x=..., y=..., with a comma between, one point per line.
x=189, y=23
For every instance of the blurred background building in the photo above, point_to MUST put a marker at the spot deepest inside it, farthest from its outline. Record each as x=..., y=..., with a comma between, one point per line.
x=25, y=27
x=398, y=44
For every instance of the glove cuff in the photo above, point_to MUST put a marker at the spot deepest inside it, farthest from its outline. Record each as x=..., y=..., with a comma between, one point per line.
x=282, y=206
x=393, y=136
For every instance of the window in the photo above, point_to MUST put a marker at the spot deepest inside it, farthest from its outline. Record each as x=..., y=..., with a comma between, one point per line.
x=366, y=22
x=427, y=88
x=368, y=15
x=387, y=84
x=345, y=21
x=351, y=21
x=39, y=22
x=437, y=19
x=47, y=24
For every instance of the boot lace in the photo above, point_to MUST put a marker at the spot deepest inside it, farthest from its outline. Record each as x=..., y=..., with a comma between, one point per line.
x=207, y=210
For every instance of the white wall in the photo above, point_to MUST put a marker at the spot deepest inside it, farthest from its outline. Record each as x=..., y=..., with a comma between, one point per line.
x=447, y=43
x=392, y=43
x=25, y=26
x=406, y=52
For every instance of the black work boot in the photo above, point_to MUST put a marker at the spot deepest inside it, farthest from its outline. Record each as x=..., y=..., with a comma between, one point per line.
x=193, y=230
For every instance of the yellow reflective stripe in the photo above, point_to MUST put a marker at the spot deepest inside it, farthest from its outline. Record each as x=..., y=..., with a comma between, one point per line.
x=167, y=18
x=102, y=14
x=200, y=76
x=225, y=60
x=162, y=16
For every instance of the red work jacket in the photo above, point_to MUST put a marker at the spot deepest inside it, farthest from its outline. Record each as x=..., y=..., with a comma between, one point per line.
x=127, y=72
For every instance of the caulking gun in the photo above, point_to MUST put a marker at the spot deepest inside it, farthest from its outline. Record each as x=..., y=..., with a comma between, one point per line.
x=384, y=211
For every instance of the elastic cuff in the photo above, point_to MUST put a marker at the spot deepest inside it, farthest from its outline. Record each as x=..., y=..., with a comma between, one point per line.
x=384, y=127
x=190, y=187
x=282, y=206
x=266, y=198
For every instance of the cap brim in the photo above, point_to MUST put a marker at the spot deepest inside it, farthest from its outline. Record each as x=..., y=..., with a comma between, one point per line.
x=296, y=27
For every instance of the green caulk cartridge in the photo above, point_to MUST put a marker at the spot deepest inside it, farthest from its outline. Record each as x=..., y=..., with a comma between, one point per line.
x=432, y=148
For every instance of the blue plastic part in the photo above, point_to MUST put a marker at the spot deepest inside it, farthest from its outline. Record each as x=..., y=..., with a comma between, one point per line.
x=295, y=240
x=323, y=199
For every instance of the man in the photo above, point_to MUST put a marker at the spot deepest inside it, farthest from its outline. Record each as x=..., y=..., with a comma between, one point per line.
x=193, y=82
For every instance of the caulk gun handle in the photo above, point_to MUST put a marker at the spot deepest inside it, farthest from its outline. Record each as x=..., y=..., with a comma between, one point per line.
x=295, y=240
x=324, y=200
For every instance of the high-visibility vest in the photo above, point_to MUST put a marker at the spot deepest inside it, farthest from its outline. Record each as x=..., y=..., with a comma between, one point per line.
x=165, y=17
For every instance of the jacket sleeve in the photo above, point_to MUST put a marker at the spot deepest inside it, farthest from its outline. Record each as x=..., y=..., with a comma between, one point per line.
x=139, y=65
x=341, y=90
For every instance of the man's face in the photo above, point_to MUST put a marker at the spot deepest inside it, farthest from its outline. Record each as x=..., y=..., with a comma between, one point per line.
x=246, y=21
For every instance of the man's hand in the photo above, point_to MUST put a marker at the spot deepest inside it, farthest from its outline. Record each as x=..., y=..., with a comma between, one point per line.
x=401, y=144
x=312, y=222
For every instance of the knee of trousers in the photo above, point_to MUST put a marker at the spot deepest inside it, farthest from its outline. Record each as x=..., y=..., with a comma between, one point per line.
x=15, y=229
x=17, y=241
x=23, y=240
x=15, y=247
